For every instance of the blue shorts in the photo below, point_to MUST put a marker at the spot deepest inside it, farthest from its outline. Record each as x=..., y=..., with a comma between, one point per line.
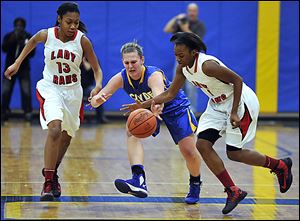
x=180, y=123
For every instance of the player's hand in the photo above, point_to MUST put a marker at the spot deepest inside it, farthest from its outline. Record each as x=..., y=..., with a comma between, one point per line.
x=11, y=70
x=93, y=93
x=99, y=99
x=235, y=120
x=131, y=107
x=157, y=109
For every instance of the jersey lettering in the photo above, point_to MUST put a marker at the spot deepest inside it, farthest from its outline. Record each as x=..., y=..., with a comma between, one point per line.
x=202, y=86
x=65, y=54
x=142, y=97
x=63, y=80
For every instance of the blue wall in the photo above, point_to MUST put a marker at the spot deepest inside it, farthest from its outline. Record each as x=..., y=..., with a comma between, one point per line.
x=231, y=36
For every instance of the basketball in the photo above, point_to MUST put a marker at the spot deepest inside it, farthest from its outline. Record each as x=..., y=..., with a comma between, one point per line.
x=141, y=123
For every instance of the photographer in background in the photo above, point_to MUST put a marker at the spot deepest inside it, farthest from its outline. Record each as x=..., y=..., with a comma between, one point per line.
x=13, y=44
x=187, y=23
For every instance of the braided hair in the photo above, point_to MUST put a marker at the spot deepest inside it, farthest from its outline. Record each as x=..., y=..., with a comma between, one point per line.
x=189, y=39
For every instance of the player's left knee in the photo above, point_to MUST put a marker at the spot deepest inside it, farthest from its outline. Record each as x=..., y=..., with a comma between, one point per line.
x=189, y=153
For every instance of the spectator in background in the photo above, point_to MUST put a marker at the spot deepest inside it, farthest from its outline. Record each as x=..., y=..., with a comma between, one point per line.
x=87, y=83
x=13, y=44
x=187, y=23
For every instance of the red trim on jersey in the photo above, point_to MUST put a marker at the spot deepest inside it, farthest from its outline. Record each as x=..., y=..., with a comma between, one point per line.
x=41, y=101
x=74, y=36
x=245, y=122
x=196, y=65
x=81, y=112
x=56, y=33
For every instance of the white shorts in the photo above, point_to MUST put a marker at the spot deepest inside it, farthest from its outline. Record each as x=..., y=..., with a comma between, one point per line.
x=60, y=103
x=217, y=116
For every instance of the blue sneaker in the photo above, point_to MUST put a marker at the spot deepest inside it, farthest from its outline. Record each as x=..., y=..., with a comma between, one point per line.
x=193, y=195
x=135, y=186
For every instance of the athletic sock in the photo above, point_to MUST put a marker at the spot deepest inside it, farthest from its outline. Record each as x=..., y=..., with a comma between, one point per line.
x=271, y=163
x=48, y=174
x=138, y=169
x=195, y=179
x=225, y=179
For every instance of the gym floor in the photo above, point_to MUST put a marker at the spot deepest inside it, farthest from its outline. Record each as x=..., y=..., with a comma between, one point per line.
x=98, y=155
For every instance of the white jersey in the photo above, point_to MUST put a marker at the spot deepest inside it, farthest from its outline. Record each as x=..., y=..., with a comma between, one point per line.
x=62, y=60
x=217, y=114
x=215, y=89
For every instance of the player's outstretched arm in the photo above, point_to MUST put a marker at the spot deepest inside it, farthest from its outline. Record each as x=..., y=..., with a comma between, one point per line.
x=111, y=87
x=40, y=36
x=164, y=97
x=156, y=83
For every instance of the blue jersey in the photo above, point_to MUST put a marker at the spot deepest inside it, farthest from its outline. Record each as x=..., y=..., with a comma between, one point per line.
x=139, y=89
x=179, y=119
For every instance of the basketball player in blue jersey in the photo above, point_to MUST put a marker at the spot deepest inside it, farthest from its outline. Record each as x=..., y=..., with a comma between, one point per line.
x=141, y=83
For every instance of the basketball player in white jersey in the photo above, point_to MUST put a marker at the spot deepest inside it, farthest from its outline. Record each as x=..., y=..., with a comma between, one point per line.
x=231, y=112
x=60, y=91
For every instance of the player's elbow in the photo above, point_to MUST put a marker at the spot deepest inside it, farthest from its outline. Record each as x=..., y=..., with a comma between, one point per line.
x=240, y=81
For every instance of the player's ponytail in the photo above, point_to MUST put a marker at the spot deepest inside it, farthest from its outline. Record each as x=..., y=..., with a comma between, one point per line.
x=82, y=27
x=70, y=7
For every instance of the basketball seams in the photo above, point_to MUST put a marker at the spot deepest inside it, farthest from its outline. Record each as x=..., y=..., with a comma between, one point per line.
x=141, y=123
x=155, y=125
x=150, y=118
x=132, y=117
x=139, y=126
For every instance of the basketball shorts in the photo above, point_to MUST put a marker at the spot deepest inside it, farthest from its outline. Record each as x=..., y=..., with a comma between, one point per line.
x=217, y=116
x=180, y=123
x=60, y=103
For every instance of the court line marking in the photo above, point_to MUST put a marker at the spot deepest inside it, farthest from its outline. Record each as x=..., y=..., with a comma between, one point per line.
x=131, y=199
x=137, y=218
x=149, y=183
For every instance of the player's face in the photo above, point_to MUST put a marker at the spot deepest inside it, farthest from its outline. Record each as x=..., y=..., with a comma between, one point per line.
x=133, y=64
x=184, y=56
x=69, y=23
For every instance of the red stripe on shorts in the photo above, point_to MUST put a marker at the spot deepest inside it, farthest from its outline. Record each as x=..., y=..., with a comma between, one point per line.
x=245, y=122
x=41, y=101
x=81, y=112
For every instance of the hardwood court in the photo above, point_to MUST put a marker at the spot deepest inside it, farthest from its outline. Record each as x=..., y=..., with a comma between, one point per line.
x=98, y=156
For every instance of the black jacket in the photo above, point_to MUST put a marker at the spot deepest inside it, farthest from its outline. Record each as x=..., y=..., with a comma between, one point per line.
x=12, y=43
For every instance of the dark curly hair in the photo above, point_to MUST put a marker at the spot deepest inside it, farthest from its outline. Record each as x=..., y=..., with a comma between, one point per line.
x=191, y=40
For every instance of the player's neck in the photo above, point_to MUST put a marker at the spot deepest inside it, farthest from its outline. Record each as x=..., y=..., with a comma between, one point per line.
x=190, y=65
x=62, y=37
